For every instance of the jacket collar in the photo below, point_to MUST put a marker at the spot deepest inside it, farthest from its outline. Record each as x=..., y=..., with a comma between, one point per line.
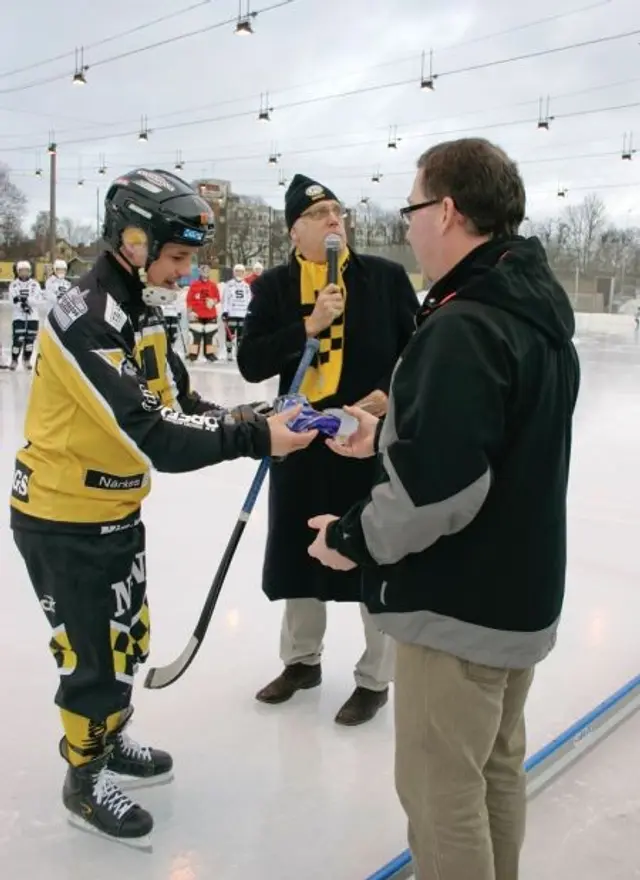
x=447, y=287
x=113, y=278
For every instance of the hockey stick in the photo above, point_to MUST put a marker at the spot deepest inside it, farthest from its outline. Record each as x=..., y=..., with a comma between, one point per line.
x=162, y=676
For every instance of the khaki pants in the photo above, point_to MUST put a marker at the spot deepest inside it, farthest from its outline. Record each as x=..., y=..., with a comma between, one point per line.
x=303, y=627
x=460, y=749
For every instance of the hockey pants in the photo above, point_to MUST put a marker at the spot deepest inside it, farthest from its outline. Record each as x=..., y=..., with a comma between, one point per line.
x=235, y=327
x=24, y=334
x=92, y=589
x=203, y=333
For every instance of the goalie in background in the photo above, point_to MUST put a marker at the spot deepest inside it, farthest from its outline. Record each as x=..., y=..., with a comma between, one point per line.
x=110, y=400
x=203, y=300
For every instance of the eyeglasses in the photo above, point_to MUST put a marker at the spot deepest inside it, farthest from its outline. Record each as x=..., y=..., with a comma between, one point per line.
x=321, y=212
x=408, y=210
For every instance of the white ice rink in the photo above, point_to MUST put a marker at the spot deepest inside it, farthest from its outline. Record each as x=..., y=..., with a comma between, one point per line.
x=282, y=793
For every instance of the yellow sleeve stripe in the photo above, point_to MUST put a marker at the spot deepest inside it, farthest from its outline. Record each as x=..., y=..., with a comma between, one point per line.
x=84, y=391
x=159, y=332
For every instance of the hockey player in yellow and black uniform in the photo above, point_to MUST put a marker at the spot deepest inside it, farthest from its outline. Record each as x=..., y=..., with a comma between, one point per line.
x=110, y=401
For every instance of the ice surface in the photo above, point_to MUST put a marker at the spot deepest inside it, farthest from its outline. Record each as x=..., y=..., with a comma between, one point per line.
x=282, y=792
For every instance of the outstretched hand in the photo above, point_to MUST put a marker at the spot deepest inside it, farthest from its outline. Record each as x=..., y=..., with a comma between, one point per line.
x=283, y=439
x=360, y=444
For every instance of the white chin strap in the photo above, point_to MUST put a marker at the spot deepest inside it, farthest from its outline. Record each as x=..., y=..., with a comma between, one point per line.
x=159, y=296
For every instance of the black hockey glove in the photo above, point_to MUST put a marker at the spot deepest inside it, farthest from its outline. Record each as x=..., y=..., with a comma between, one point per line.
x=244, y=412
x=250, y=412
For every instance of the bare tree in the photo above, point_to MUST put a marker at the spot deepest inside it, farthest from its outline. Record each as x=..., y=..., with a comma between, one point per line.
x=248, y=225
x=75, y=234
x=585, y=224
x=13, y=207
x=40, y=231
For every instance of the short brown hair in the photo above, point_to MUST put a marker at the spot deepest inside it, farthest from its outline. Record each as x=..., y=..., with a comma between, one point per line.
x=482, y=180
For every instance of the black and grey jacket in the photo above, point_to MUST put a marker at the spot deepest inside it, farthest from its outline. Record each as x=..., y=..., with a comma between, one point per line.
x=462, y=541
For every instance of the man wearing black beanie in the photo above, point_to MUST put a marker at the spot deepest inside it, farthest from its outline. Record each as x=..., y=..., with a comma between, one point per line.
x=363, y=324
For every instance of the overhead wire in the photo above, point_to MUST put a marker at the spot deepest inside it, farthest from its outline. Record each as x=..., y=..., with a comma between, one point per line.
x=141, y=49
x=340, y=95
x=119, y=36
x=394, y=62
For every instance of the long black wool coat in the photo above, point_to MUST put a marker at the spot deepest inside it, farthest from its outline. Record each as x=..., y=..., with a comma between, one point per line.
x=379, y=321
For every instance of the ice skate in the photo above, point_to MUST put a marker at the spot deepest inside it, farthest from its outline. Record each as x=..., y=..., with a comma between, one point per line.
x=96, y=804
x=137, y=766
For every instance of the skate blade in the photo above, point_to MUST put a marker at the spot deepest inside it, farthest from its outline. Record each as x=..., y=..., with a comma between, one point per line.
x=132, y=783
x=142, y=844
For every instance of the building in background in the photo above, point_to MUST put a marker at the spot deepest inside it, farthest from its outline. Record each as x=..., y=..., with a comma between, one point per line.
x=247, y=229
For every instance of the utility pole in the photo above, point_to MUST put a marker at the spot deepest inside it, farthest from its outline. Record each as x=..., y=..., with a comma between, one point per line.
x=53, y=157
x=97, y=222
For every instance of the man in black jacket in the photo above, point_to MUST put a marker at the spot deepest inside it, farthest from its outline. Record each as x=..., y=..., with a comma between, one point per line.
x=462, y=542
x=363, y=323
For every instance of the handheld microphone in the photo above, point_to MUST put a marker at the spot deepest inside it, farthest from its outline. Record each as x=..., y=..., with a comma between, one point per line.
x=333, y=246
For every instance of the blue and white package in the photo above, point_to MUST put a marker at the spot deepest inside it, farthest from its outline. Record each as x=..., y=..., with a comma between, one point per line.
x=309, y=419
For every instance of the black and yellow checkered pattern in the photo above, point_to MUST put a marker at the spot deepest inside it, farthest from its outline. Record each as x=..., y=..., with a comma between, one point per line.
x=130, y=644
x=323, y=377
x=331, y=339
x=62, y=650
x=140, y=632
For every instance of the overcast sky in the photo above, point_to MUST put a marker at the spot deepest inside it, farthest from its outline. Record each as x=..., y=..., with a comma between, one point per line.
x=201, y=94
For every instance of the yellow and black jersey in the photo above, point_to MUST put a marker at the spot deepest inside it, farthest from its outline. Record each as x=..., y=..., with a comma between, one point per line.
x=109, y=401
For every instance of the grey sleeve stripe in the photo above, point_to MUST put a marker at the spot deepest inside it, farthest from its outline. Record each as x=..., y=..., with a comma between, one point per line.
x=394, y=527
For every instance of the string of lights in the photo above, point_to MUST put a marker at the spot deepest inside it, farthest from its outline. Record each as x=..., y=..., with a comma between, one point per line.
x=356, y=172
x=425, y=135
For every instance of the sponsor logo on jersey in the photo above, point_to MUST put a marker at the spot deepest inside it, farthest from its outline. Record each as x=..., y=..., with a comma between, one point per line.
x=114, y=315
x=112, y=482
x=150, y=402
x=201, y=422
x=20, y=485
x=118, y=360
x=69, y=307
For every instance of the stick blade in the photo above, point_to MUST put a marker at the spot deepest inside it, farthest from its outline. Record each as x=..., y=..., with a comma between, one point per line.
x=163, y=676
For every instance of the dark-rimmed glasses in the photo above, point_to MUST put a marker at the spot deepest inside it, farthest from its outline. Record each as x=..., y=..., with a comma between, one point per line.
x=408, y=210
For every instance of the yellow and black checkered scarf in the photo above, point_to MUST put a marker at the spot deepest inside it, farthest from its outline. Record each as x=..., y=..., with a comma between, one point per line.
x=323, y=377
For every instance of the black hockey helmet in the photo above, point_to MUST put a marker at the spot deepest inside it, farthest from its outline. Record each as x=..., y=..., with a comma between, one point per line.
x=162, y=205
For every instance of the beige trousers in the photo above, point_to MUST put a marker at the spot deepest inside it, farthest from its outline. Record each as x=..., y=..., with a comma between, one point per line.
x=304, y=624
x=460, y=750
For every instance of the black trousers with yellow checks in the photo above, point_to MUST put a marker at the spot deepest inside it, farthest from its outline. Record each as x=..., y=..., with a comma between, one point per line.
x=92, y=588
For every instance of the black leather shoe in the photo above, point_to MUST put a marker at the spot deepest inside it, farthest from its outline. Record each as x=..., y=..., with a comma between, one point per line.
x=297, y=677
x=362, y=706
